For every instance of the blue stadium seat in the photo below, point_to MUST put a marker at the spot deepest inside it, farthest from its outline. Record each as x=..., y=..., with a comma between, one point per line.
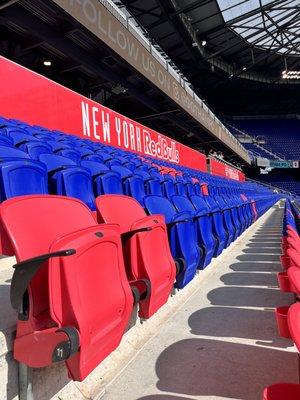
x=6, y=141
x=21, y=177
x=68, y=179
x=216, y=220
x=35, y=148
x=11, y=152
x=226, y=215
x=182, y=236
x=203, y=226
x=73, y=154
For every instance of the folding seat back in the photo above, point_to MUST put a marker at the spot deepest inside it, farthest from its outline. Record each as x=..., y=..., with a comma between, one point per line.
x=94, y=167
x=114, y=162
x=105, y=156
x=94, y=157
x=203, y=226
x=143, y=174
x=85, y=151
x=180, y=188
x=21, y=177
x=35, y=148
x=146, y=249
x=57, y=146
x=73, y=154
x=67, y=179
x=69, y=286
x=153, y=186
x=294, y=324
x=97, y=171
x=10, y=152
x=21, y=138
x=129, y=165
x=230, y=213
x=134, y=187
x=9, y=128
x=77, y=182
x=217, y=222
x=55, y=162
x=109, y=183
x=182, y=237
x=169, y=188
x=122, y=171
x=6, y=141
x=225, y=215
x=190, y=188
x=43, y=136
x=156, y=175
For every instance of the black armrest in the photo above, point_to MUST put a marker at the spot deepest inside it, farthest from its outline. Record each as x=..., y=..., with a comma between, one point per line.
x=141, y=289
x=129, y=234
x=170, y=224
x=25, y=271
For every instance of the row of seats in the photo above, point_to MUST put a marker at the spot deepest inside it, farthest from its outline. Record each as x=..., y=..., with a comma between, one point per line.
x=251, y=145
x=288, y=317
x=78, y=282
x=100, y=234
x=282, y=135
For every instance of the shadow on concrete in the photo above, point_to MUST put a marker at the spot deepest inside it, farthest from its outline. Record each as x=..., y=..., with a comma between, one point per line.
x=262, y=250
x=258, y=257
x=47, y=382
x=249, y=279
x=259, y=325
x=204, y=367
x=263, y=245
x=276, y=242
x=255, y=267
x=247, y=297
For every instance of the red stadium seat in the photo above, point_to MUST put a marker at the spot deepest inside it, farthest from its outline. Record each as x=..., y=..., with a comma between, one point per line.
x=294, y=279
x=146, y=248
x=294, y=258
x=294, y=323
x=69, y=286
x=282, y=391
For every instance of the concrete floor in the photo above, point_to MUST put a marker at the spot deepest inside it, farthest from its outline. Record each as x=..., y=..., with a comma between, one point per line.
x=223, y=342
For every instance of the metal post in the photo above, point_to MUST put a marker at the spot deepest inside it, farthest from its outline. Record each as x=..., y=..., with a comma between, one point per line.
x=25, y=382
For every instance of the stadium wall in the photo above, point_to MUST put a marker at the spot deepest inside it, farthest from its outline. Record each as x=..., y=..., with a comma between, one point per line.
x=32, y=98
x=221, y=169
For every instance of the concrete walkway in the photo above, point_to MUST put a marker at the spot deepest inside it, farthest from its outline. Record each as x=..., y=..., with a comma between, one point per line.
x=223, y=342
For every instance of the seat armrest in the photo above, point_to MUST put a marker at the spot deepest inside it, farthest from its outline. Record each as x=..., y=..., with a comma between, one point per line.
x=129, y=234
x=180, y=218
x=25, y=271
x=201, y=213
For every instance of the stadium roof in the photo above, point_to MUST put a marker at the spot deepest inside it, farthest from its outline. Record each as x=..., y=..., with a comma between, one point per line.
x=234, y=52
x=266, y=24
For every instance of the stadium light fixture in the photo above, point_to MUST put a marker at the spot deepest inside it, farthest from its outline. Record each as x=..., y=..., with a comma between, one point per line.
x=47, y=63
x=290, y=74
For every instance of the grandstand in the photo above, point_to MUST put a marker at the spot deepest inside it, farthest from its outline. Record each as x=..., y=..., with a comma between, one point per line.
x=149, y=200
x=282, y=135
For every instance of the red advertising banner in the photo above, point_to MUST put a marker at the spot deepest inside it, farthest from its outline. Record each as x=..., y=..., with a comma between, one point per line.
x=225, y=170
x=32, y=98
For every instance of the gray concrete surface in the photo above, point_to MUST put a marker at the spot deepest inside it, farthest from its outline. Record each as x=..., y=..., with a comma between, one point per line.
x=223, y=342
x=216, y=339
